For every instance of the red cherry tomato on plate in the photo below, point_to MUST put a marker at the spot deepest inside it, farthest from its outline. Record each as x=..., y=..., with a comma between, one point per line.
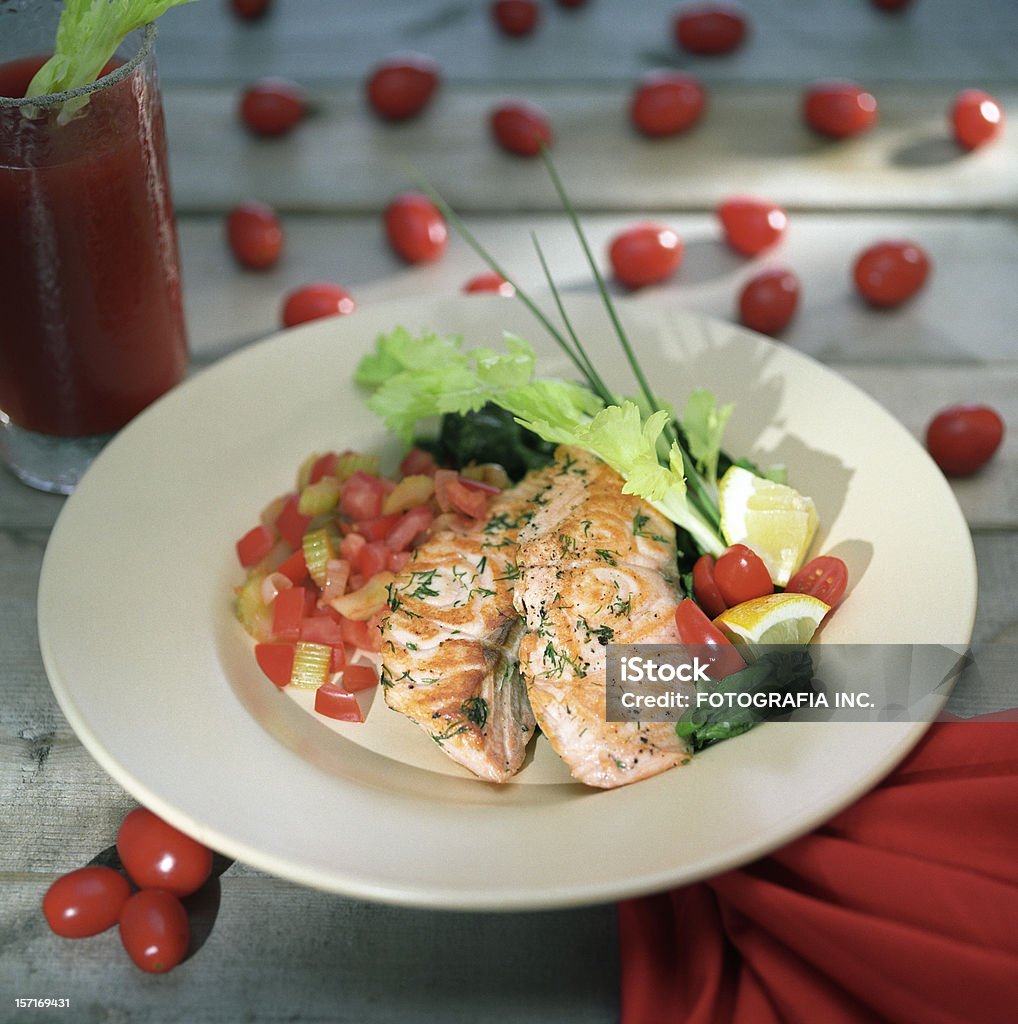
x=314, y=301
x=158, y=856
x=489, y=282
x=976, y=118
x=710, y=29
x=888, y=273
x=521, y=128
x=250, y=10
x=85, y=902
x=666, y=103
x=825, y=578
x=768, y=300
x=272, y=106
x=741, y=575
x=255, y=235
x=705, y=589
x=751, y=225
x=154, y=930
x=696, y=630
x=415, y=228
x=963, y=438
x=516, y=17
x=839, y=110
x=402, y=86
x=645, y=254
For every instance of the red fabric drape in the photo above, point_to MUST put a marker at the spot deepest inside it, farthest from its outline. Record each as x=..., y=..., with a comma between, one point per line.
x=903, y=908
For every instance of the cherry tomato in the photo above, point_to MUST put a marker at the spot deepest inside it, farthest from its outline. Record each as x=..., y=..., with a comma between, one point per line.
x=666, y=103
x=85, y=902
x=255, y=235
x=976, y=118
x=272, y=106
x=696, y=630
x=250, y=10
x=402, y=86
x=645, y=254
x=825, y=578
x=963, y=438
x=316, y=300
x=516, y=17
x=489, y=282
x=521, y=128
x=887, y=273
x=705, y=590
x=710, y=29
x=415, y=228
x=768, y=300
x=839, y=110
x=751, y=225
x=154, y=930
x=741, y=575
x=158, y=856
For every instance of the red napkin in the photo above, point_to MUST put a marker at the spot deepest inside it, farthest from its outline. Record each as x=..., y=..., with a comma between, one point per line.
x=903, y=908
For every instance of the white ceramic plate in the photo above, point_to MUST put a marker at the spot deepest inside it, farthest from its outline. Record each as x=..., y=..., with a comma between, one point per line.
x=159, y=682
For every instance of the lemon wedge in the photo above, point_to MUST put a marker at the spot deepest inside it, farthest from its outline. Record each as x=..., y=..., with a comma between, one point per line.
x=773, y=519
x=774, y=619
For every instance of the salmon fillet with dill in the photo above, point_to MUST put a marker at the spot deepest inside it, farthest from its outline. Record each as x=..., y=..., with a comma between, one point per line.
x=594, y=566
x=451, y=637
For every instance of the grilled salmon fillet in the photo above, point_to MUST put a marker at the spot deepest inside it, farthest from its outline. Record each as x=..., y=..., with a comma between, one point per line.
x=594, y=566
x=451, y=638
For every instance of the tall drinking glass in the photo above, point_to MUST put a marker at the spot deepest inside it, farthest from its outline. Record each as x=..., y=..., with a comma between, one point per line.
x=91, y=320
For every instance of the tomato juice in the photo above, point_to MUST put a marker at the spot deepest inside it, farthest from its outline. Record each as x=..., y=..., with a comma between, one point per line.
x=92, y=328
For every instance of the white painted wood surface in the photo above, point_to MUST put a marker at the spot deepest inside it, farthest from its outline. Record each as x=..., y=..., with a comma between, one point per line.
x=279, y=952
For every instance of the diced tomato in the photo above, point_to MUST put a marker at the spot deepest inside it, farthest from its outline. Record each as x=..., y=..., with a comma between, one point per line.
x=359, y=677
x=335, y=702
x=338, y=662
x=350, y=546
x=453, y=494
x=398, y=560
x=321, y=629
x=291, y=524
x=288, y=609
x=417, y=460
x=358, y=634
x=255, y=545
x=412, y=522
x=276, y=661
x=324, y=465
x=294, y=568
x=373, y=558
x=377, y=528
x=362, y=496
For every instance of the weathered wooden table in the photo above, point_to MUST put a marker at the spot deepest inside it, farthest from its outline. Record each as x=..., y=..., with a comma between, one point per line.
x=277, y=951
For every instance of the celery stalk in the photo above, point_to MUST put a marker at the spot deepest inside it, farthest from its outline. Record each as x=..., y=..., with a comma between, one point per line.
x=310, y=665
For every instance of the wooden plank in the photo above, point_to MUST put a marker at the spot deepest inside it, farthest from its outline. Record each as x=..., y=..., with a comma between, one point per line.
x=751, y=139
x=277, y=952
x=965, y=316
x=339, y=40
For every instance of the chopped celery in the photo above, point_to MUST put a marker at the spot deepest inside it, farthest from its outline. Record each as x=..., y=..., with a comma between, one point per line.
x=319, y=497
x=319, y=548
x=250, y=607
x=310, y=665
x=350, y=462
